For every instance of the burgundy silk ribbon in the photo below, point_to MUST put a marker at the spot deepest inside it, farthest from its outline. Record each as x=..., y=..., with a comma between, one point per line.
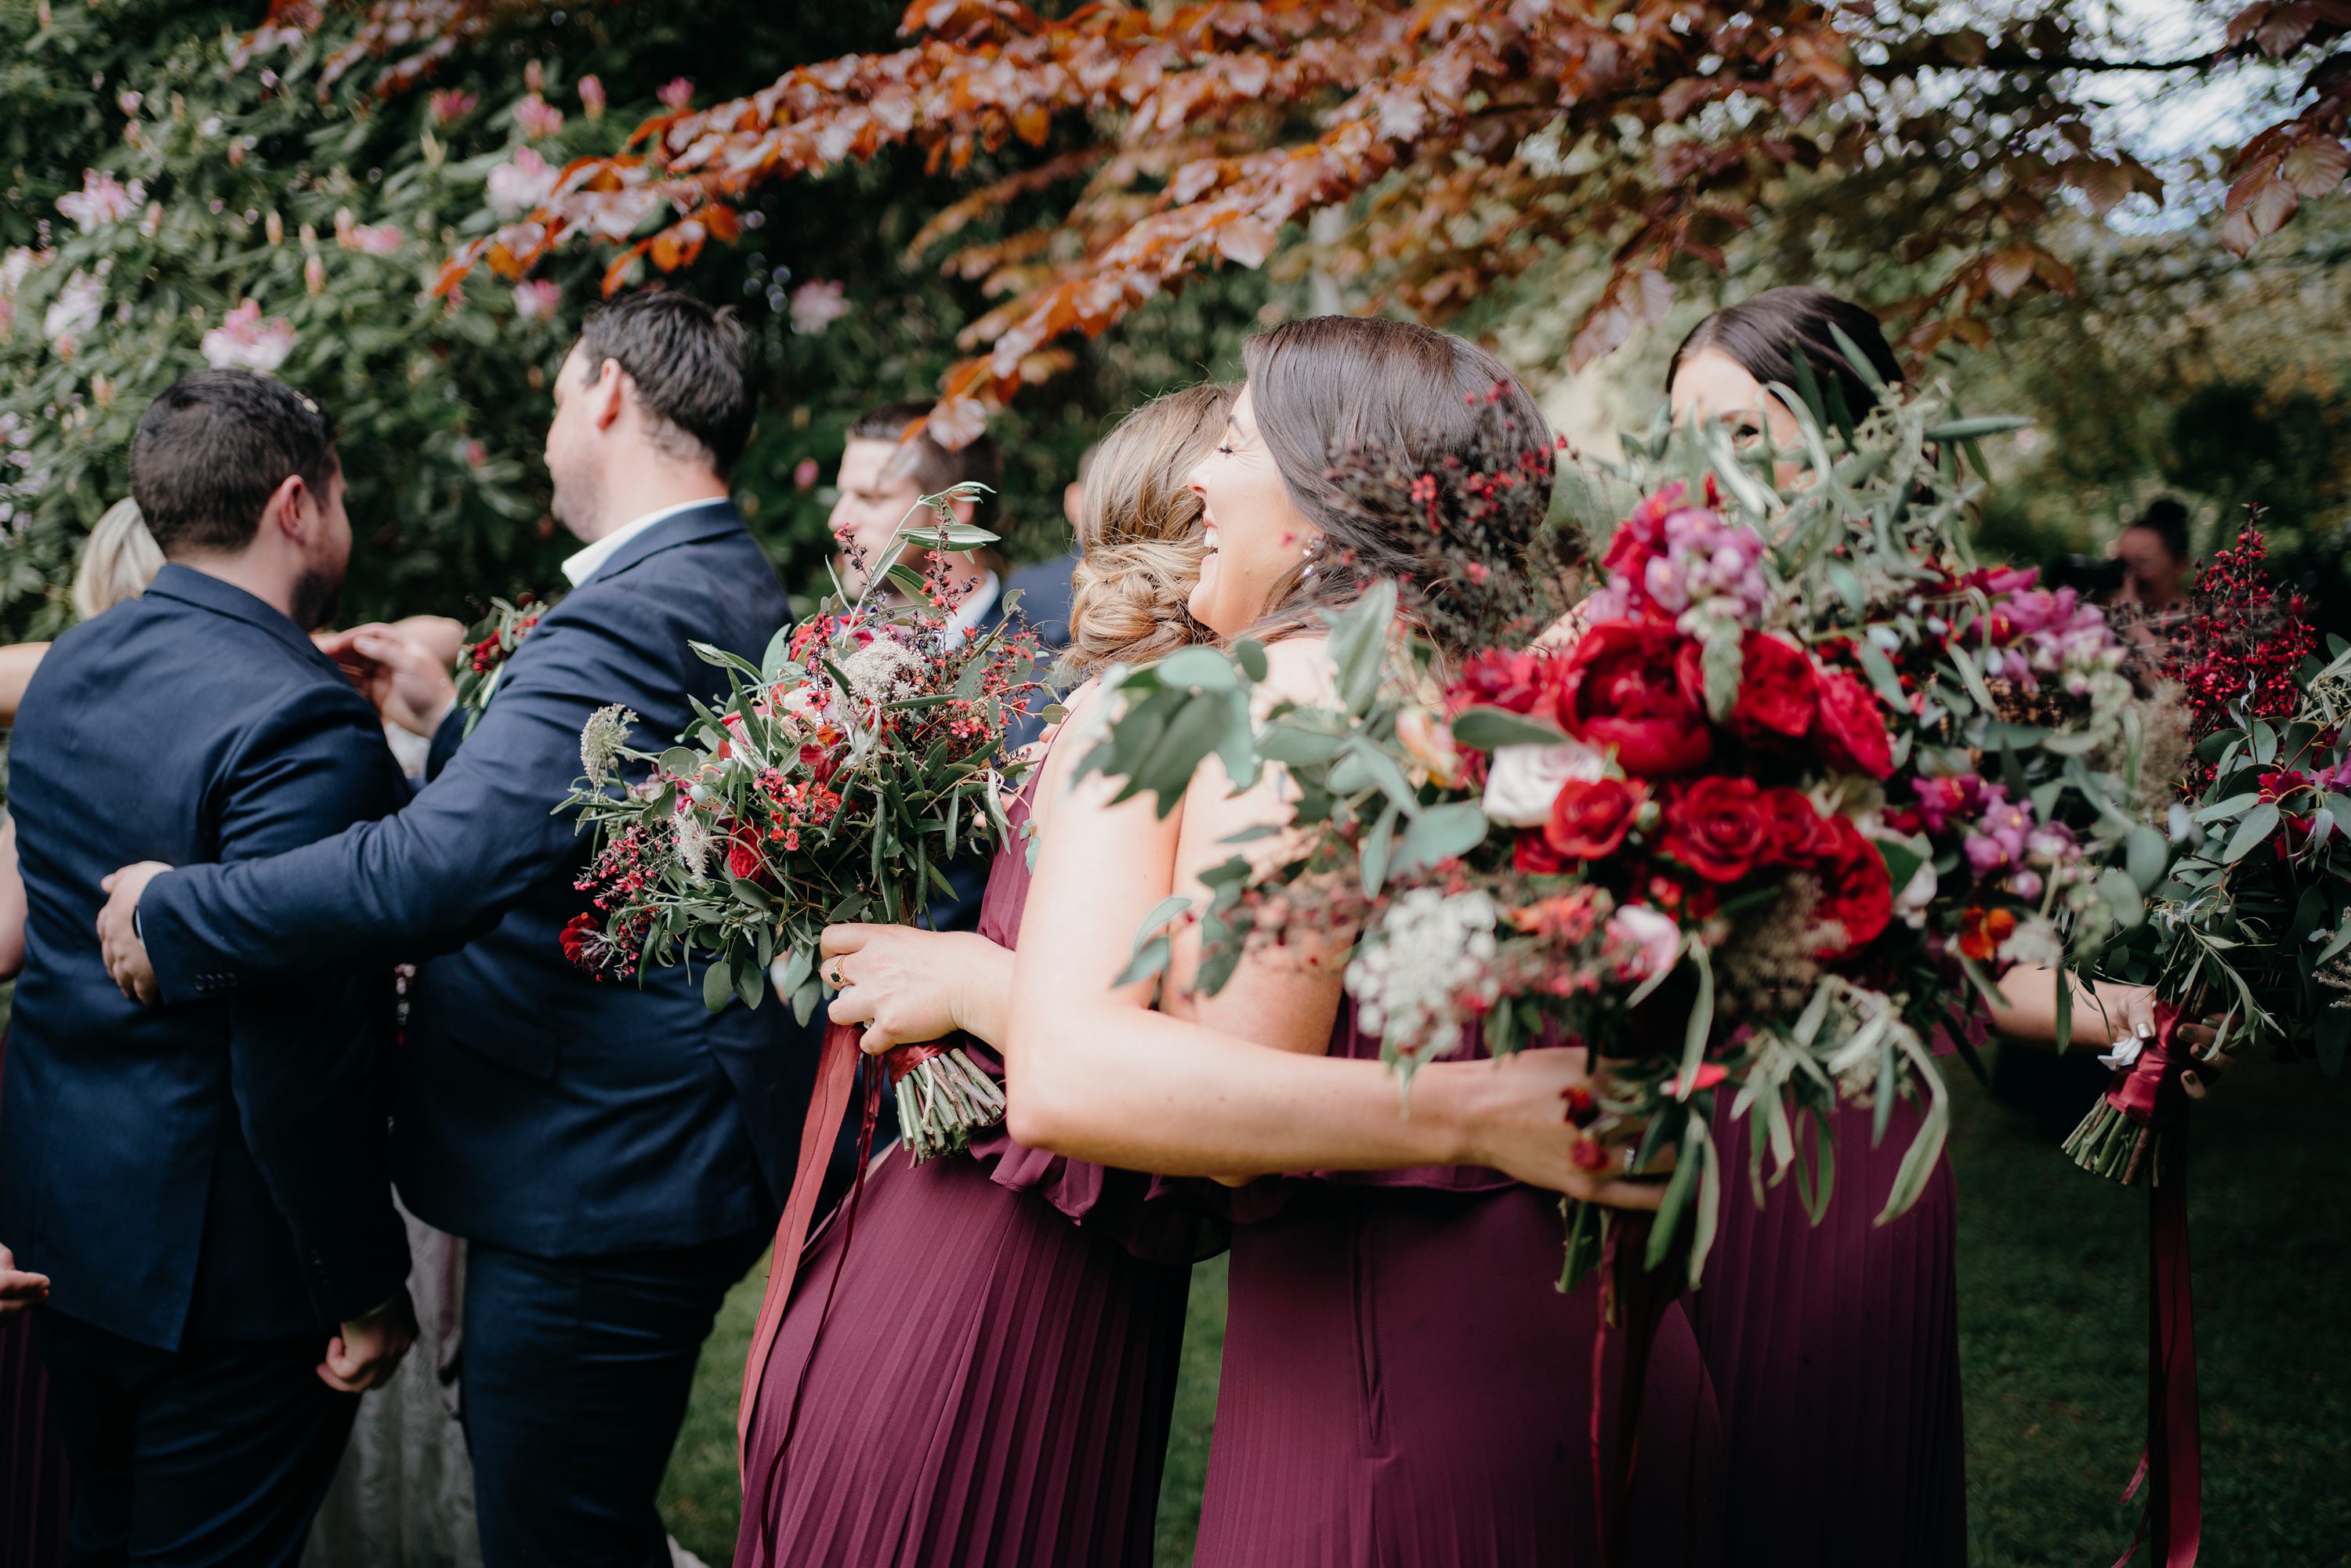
x=2148, y=1092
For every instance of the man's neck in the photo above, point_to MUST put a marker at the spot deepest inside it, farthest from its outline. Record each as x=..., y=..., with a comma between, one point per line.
x=652, y=491
x=270, y=581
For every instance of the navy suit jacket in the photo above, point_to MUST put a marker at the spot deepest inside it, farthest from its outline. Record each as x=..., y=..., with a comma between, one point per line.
x=540, y=1109
x=216, y=1170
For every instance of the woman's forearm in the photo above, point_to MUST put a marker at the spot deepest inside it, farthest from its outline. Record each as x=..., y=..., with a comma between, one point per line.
x=2029, y=1011
x=981, y=1004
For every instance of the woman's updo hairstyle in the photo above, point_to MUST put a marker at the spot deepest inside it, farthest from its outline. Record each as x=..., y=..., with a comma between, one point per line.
x=1139, y=533
x=1764, y=333
x=1331, y=392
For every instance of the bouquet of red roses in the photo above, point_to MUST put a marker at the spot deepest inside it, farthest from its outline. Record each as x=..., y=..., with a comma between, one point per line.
x=834, y=782
x=1803, y=778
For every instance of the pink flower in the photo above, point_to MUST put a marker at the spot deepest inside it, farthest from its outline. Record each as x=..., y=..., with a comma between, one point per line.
x=450, y=105
x=372, y=239
x=538, y=300
x=817, y=304
x=592, y=96
x=805, y=474
x=102, y=200
x=244, y=341
x=1647, y=941
x=74, y=312
x=537, y=116
x=516, y=187
x=472, y=451
x=677, y=93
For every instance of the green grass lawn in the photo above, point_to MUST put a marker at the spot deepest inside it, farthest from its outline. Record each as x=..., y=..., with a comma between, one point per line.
x=2053, y=1314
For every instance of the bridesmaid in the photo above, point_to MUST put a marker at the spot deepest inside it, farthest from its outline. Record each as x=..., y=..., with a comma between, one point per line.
x=1833, y=1349
x=1403, y=1384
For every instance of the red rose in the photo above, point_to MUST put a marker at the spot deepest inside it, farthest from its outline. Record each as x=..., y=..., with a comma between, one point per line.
x=1856, y=891
x=1531, y=856
x=1517, y=680
x=1626, y=686
x=1793, y=831
x=1590, y=818
x=1718, y=828
x=1851, y=731
x=743, y=859
x=1777, y=690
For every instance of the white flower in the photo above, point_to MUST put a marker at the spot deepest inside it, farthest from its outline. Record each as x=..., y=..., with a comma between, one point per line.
x=601, y=740
x=1917, y=895
x=816, y=306
x=244, y=341
x=538, y=300
x=697, y=841
x=1651, y=939
x=1425, y=970
x=516, y=187
x=75, y=310
x=15, y=266
x=884, y=669
x=102, y=200
x=1523, y=780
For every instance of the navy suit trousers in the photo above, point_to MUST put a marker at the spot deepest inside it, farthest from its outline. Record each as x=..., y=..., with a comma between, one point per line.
x=577, y=1372
x=211, y=1454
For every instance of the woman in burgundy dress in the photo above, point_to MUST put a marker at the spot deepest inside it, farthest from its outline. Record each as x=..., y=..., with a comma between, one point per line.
x=1404, y=1386
x=1833, y=1349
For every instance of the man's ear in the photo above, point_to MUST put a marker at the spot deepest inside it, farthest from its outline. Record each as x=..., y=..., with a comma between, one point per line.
x=292, y=510
x=608, y=394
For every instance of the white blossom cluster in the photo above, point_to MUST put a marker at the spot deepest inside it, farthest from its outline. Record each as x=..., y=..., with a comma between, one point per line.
x=1416, y=972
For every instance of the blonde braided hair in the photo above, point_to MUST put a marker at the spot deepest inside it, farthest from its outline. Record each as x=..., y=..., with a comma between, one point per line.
x=1139, y=532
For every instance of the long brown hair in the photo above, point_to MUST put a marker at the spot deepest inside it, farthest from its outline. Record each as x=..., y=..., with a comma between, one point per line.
x=1139, y=535
x=1328, y=389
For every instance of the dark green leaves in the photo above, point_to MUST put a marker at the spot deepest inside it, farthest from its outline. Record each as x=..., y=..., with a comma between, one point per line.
x=1491, y=729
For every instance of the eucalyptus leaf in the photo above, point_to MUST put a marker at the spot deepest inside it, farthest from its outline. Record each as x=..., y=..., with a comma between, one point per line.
x=2259, y=824
x=1440, y=833
x=1492, y=728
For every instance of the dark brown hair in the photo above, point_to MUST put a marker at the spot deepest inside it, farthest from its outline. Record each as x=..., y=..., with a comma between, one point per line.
x=691, y=365
x=211, y=451
x=1764, y=333
x=932, y=467
x=1331, y=390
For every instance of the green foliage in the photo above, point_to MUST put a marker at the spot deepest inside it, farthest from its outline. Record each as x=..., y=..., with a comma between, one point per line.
x=333, y=215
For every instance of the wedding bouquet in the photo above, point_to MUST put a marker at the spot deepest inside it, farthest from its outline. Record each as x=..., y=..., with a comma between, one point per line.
x=834, y=782
x=2253, y=922
x=489, y=644
x=1799, y=780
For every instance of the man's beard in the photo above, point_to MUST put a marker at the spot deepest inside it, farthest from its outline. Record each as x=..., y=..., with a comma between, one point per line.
x=575, y=503
x=316, y=592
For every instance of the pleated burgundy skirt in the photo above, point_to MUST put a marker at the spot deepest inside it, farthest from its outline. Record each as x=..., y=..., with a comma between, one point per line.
x=1405, y=1386
x=1835, y=1353
x=33, y=1486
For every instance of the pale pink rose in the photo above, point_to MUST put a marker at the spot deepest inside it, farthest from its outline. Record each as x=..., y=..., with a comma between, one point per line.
x=592, y=96
x=677, y=92
x=516, y=187
x=450, y=105
x=1523, y=780
x=1647, y=940
x=244, y=341
x=817, y=304
x=102, y=200
x=537, y=116
x=538, y=300
x=1428, y=741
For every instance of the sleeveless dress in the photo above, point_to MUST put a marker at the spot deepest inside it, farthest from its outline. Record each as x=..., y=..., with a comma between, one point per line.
x=33, y=1485
x=996, y=1372
x=1405, y=1386
x=1835, y=1353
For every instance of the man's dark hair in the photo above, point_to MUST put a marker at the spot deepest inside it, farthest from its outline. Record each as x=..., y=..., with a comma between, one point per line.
x=2167, y=518
x=691, y=365
x=1764, y=333
x=209, y=454
x=934, y=467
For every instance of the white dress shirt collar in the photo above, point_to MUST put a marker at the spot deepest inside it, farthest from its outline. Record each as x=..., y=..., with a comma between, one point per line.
x=582, y=565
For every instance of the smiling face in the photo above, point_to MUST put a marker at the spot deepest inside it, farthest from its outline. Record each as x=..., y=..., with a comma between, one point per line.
x=1254, y=530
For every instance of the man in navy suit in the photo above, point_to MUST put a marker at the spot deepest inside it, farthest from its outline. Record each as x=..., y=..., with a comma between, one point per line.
x=205, y=1185
x=614, y=1153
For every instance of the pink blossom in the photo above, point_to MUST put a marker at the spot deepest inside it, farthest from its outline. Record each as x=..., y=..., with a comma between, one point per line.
x=677, y=92
x=372, y=239
x=244, y=341
x=592, y=96
x=128, y=101
x=1647, y=941
x=102, y=200
x=451, y=104
x=516, y=187
x=805, y=474
x=537, y=116
x=74, y=312
x=1943, y=801
x=817, y=305
x=538, y=300
x=472, y=451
